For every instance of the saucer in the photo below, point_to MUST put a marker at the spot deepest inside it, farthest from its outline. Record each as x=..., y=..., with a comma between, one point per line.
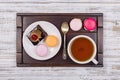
x=50, y=29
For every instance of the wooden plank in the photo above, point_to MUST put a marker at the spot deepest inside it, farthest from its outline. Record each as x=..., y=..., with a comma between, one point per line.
x=52, y=7
x=100, y=21
x=19, y=58
x=60, y=1
x=19, y=21
x=100, y=40
x=19, y=40
x=99, y=15
x=100, y=58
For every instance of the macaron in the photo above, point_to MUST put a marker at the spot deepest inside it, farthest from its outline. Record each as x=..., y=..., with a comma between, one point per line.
x=76, y=24
x=42, y=50
x=51, y=41
x=90, y=24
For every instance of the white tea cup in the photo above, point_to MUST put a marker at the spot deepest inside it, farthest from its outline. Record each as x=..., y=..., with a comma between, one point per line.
x=92, y=58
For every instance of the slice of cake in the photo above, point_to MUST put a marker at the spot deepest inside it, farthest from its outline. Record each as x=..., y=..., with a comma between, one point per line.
x=36, y=35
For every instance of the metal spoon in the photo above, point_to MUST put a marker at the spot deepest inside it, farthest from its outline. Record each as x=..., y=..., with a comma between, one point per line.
x=64, y=29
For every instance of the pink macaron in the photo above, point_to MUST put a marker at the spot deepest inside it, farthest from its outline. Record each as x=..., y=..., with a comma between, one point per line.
x=90, y=24
x=76, y=24
x=42, y=50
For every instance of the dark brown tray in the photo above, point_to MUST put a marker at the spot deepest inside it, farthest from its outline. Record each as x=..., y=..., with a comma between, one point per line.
x=25, y=19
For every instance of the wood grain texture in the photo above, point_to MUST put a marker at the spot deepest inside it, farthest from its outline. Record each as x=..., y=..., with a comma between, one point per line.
x=8, y=10
x=59, y=1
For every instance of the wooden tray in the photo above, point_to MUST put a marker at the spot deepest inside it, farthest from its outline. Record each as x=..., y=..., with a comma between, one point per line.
x=25, y=19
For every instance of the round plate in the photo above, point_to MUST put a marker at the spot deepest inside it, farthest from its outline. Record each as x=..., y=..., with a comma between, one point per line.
x=50, y=29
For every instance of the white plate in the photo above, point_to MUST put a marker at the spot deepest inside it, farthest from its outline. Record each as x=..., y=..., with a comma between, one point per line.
x=51, y=30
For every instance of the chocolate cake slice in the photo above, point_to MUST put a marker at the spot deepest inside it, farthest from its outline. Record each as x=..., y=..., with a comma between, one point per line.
x=36, y=35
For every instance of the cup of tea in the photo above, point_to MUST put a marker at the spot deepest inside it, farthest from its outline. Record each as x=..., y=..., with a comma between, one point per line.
x=82, y=49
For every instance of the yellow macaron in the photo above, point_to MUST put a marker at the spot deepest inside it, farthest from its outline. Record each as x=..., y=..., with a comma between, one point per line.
x=51, y=41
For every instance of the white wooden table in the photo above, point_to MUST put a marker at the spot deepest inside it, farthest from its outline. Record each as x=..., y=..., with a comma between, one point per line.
x=8, y=10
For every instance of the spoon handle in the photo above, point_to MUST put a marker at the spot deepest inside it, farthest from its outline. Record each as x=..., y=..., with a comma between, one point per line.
x=64, y=48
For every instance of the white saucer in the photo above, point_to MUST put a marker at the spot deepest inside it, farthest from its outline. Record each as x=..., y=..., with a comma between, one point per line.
x=51, y=30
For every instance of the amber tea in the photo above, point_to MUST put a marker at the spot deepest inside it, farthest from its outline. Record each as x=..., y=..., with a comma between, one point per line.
x=82, y=49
